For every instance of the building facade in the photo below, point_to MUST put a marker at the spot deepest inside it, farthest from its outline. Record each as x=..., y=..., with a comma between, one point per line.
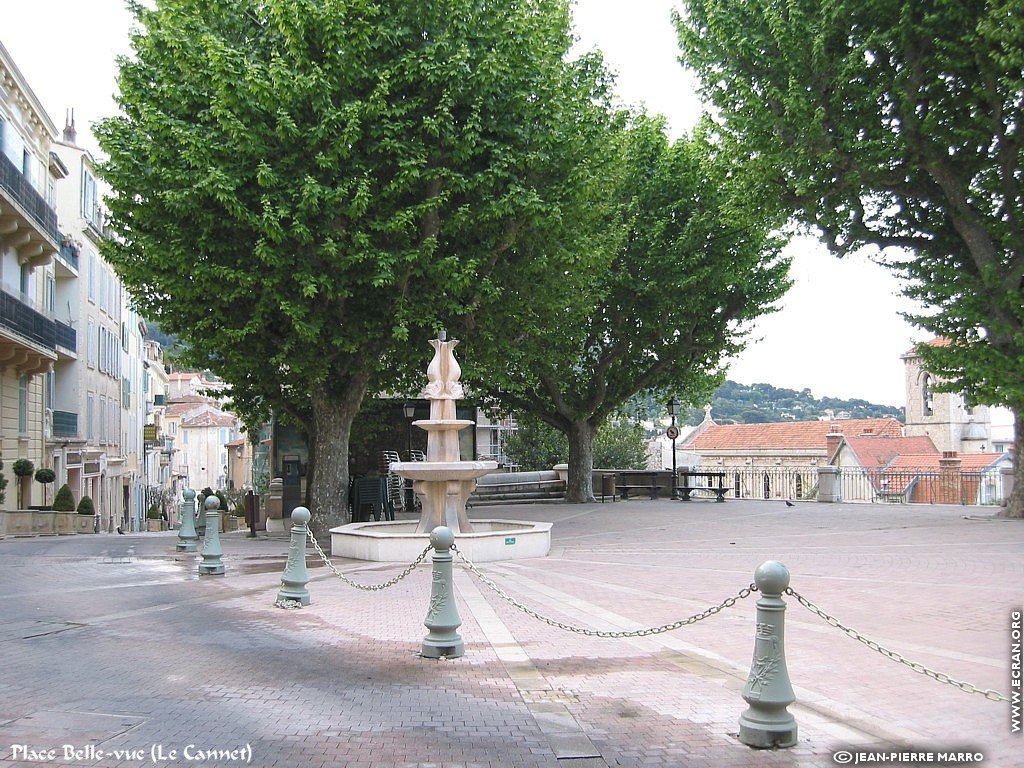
x=29, y=239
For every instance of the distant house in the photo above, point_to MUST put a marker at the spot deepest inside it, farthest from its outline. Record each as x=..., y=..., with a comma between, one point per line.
x=776, y=459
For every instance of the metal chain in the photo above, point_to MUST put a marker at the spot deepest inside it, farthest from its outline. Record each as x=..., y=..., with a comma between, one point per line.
x=727, y=603
x=368, y=587
x=941, y=677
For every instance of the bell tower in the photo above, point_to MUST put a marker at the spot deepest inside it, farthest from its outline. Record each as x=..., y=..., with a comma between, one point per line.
x=946, y=417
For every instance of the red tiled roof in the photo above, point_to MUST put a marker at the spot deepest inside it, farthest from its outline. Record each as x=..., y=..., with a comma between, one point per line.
x=235, y=443
x=874, y=452
x=969, y=462
x=804, y=435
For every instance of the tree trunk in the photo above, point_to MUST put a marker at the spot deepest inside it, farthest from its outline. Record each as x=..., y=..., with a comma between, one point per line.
x=1015, y=504
x=580, y=487
x=333, y=413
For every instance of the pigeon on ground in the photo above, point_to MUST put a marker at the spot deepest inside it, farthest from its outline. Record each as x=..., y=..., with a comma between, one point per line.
x=790, y=503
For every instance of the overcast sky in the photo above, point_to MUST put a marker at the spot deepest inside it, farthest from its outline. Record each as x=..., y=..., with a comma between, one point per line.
x=838, y=332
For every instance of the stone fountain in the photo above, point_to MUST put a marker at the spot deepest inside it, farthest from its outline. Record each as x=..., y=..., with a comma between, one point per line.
x=443, y=484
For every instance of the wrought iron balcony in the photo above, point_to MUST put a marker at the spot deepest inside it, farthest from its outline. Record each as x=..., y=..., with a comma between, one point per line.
x=65, y=424
x=69, y=255
x=19, y=317
x=66, y=336
x=21, y=191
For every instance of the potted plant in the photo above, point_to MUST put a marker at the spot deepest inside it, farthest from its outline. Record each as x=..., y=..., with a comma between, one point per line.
x=64, y=501
x=23, y=468
x=153, y=519
x=45, y=476
x=86, y=510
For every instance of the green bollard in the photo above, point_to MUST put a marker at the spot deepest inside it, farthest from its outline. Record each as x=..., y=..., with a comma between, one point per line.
x=212, y=565
x=767, y=723
x=187, y=536
x=443, y=615
x=295, y=577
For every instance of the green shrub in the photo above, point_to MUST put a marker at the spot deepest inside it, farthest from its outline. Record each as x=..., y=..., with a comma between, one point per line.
x=23, y=468
x=3, y=485
x=153, y=513
x=64, y=501
x=85, y=506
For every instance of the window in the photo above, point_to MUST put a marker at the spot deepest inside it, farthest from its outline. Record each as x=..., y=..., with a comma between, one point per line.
x=103, y=287
x=87, y=254
x=90, y=197
x=23, y=279
x=91, y=338
x=928, y=396
x=23, y=404
x=51, y=294
x=184, y=436
x=103, y=418
x=90, y=407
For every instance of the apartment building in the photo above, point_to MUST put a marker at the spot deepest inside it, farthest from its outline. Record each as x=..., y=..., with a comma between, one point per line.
x=29, y=239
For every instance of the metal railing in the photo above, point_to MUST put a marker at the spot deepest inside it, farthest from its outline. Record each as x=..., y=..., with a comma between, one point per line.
x=66, y=336
x=13, y=181
x=17, y=316
x=770, y=482
x=65, y=424
x=926, y=485
x=69, y=255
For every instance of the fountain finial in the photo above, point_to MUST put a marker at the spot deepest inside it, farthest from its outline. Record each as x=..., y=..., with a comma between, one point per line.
x=444, y=372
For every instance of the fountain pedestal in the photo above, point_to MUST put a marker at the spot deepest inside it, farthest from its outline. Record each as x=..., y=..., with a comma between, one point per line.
x=443, y=483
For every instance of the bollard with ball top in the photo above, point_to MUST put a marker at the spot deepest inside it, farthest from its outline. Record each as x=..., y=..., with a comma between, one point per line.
x=767, y=723
x=443, y=615
x=212, y=565
x=187, y=536
x=293, y=590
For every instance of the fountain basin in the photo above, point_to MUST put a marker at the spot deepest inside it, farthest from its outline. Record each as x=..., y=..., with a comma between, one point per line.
x=398, y=542
x=443, y=470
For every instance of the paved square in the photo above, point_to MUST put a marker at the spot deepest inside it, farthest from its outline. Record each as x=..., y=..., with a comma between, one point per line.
x=118, y=630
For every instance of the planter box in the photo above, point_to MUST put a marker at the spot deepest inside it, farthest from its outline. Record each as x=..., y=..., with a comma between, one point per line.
x=3, y=524
x=85, y=523
x=154, y=526
x=19, y=523
x=66, y=523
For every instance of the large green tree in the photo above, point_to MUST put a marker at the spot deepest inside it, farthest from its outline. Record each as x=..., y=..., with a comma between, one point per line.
x=300, y=183
x=895, y=124
x=689, y=262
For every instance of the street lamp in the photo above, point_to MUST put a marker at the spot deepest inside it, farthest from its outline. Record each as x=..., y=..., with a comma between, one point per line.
x=409, y=409
x=673, y=433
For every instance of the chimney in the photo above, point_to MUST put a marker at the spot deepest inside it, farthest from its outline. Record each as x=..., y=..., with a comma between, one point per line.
x=832, y=441
x=70, y=134
x=950, y=479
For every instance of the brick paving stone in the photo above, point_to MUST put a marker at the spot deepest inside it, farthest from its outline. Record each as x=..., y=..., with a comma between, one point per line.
x=122, y=625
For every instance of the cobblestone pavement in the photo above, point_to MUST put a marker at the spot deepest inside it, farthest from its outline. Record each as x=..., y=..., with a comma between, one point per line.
x=114, y=647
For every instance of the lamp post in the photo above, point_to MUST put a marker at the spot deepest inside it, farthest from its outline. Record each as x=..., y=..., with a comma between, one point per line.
x=673, y=433
x=409, y=409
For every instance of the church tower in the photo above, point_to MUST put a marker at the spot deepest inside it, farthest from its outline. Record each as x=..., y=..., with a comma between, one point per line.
x=945, y=417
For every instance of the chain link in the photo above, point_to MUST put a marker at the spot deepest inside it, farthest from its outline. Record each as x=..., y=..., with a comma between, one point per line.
x=368, y=587
x=941, y=677
x=727, y=603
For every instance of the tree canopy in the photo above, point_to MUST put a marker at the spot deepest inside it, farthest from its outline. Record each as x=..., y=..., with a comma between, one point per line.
x=689, y=263
x=301, y=184
x=895, y=124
